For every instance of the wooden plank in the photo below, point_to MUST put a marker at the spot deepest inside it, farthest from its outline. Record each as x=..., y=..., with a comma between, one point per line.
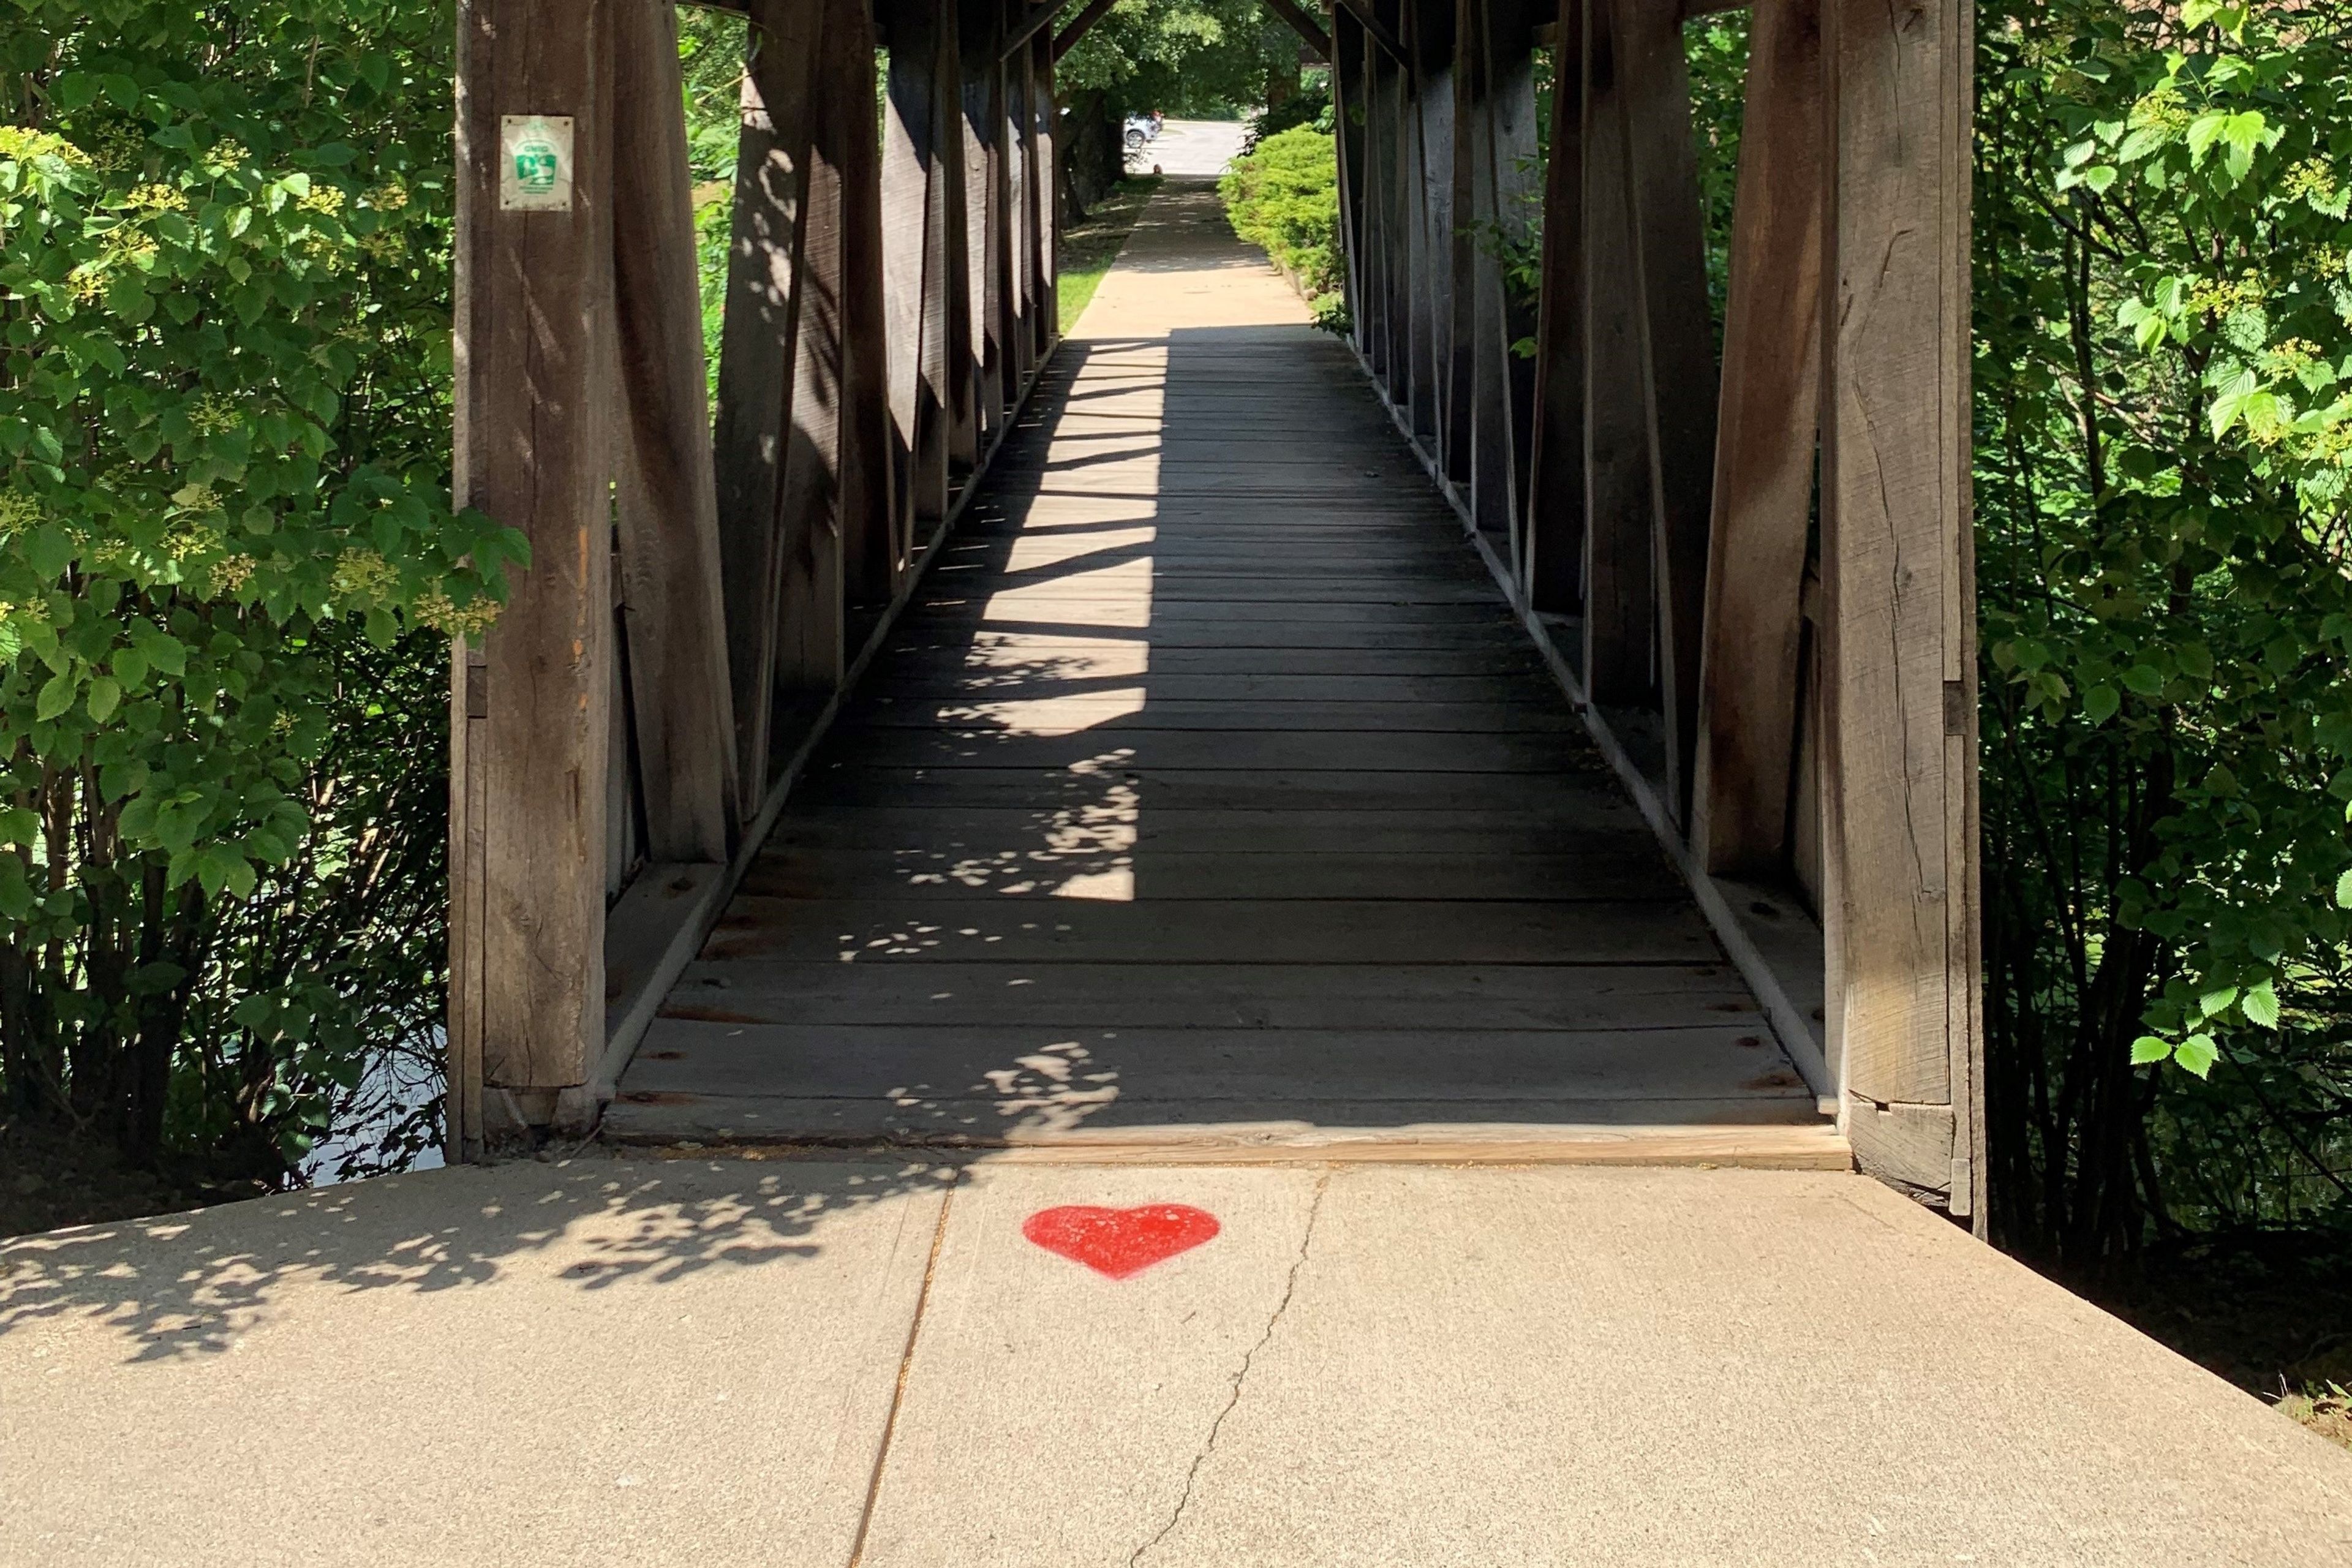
x=1230, y=784
x=1677, y=355
x=1428, y=212
x=1640, y=998
x=982, y=34
x=1582, y=817
x=758, y=362
x=1765, y=445
x=1137, y=710
x=978, y=873
x=1210, y=930
x=1620, y=602
x=681, y=715
x=533, y=438
x=1045, y=210
x=1235, y=1074
x=1896, y=440
x=1347, y=751
x=1469, y=258
x=1506, y=150
x=1037, y=17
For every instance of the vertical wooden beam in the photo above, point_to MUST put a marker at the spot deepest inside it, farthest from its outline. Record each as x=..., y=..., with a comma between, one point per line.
x=1429, y=195
x=810, y=635
x=956, y=365
x=1619, y=606
x=1044, y=186
x=1906, y=1028
x=1677, y=354
x=1554, y=568
x=913, y=241
x=1348, y=107
x=1461, y=241
x=1765, y=441
x=1504, y=105
x=1020, y=337
x=983, y=78
x=681, y=712
x=758, y=360
x=875, y=541
x=532, y=439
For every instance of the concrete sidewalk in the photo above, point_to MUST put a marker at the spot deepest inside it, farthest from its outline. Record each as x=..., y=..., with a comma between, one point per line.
x=783, y=1363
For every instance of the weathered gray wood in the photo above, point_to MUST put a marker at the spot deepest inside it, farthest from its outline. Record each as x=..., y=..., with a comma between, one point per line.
x=1035, y=20
x=1639, y=998
x=1765, y=442
x=1676, y=354
x=650, y=937
x=1126, y=712
x=1470, y=263
x=1555, y=551
x=1346, y=57
x=964, y=873
x=811, y=645
x=1899, y=752
x=666, y=499
x=533, y=436
x=913, y=239
x=1246, y=1073
x=1240, y=784
x=1619, y=573
x=757, y=362
x=1209, y=930
x=875, y=541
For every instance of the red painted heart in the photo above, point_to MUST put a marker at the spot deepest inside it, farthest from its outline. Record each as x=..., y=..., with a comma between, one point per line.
x=1119, y=1242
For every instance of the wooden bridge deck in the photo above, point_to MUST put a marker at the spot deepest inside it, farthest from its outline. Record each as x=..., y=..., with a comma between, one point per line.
x=1207, y=800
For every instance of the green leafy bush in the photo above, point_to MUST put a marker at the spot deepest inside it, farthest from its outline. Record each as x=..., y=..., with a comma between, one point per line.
x=2164, y=431
x=1285, y=198
x=228, y=567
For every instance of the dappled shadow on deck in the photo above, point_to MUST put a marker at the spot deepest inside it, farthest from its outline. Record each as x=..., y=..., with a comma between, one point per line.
x=1209, y=787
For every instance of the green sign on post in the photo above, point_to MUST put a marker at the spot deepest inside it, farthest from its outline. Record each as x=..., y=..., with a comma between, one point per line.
x=535, y=163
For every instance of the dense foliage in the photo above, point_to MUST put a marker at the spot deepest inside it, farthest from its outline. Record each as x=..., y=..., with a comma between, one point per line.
x=2164, y=434
x=228, y=566
x=1284, y=196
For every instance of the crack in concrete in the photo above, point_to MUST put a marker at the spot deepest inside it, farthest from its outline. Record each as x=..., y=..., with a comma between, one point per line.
x=1290, y=1287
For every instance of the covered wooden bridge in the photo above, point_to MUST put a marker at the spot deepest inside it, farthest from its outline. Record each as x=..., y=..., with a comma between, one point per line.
x=1207, y=738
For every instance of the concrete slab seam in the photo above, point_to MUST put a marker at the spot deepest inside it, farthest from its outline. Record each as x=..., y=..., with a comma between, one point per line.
x=1289, y=1288
x=906, y=1367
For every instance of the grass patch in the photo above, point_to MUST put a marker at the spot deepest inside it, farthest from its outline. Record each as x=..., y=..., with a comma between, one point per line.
x=1088, y=248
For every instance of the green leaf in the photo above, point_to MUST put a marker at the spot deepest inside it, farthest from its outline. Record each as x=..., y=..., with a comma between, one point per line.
x=2100, y=703
x=2197, y=1053
x=2344, y=892
x=56, y=697
x=2213, y=1002
x=2261, y=1006
x=2148, y=1048
x=105, y=694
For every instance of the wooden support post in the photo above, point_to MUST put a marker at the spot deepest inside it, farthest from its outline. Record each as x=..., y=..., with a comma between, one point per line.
x=1765, y=441
x=1619, y=606
x=953, y=359
x=680, y=710
x=533, y=438
x=1469, y=246
x=982, y=31
x=875, y=541
x=1899, y=775
x=1677, y=354
x=1555, y=566
x=1379, y=26
x=1428, y=197
x=1348, y=108
x=914, y=247
x=1045, y=207
x=1504, y=145
x=1020, y=339
x=758, y=360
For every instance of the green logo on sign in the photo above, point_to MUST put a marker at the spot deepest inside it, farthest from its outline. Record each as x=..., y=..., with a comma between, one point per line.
x=535, y=166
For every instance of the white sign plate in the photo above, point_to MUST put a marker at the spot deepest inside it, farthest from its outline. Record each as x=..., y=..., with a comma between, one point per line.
x=535, y=163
